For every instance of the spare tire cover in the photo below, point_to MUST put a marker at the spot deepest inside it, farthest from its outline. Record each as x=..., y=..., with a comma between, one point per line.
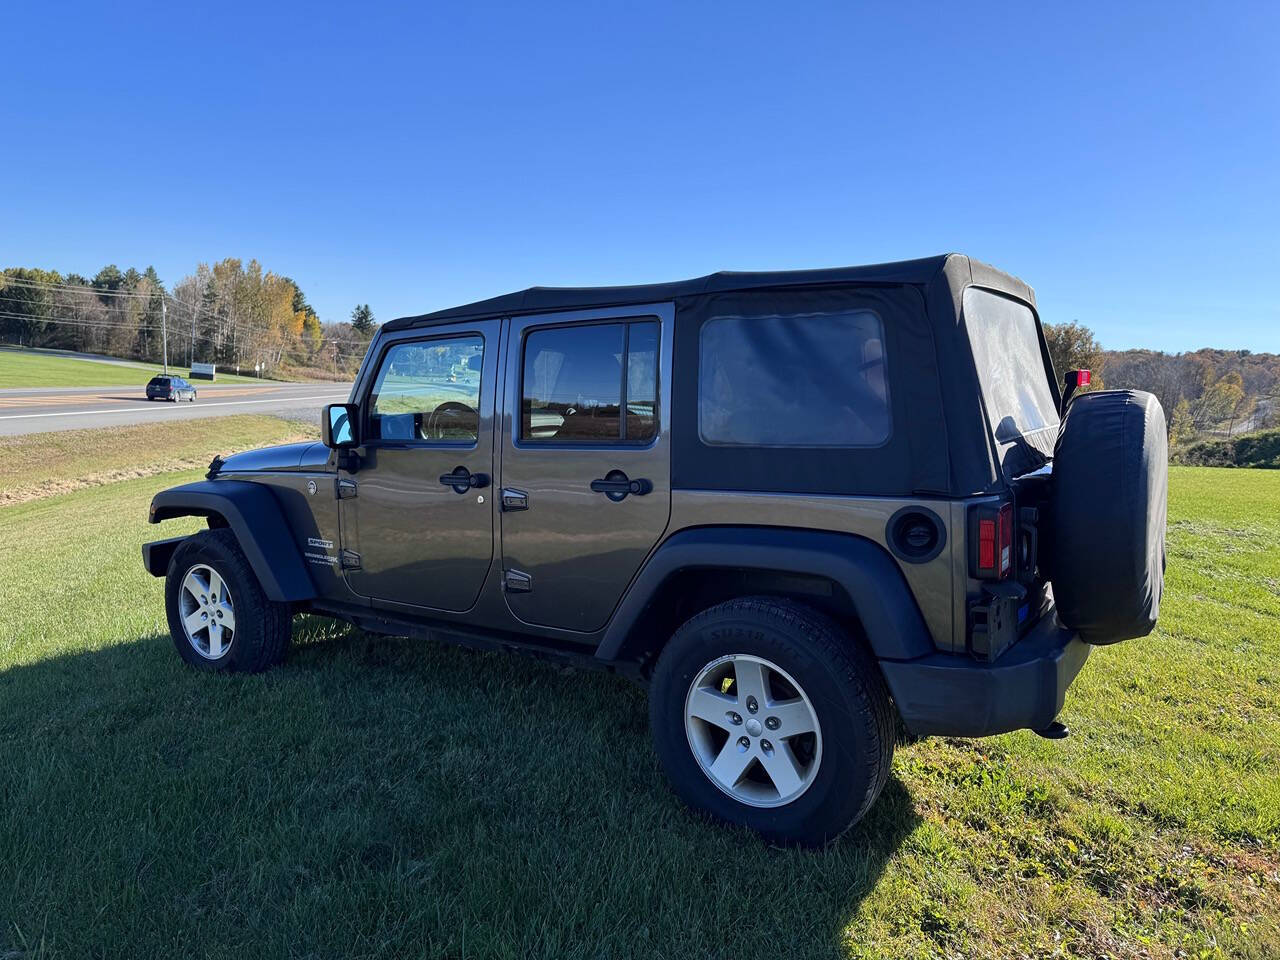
x=1107, y=515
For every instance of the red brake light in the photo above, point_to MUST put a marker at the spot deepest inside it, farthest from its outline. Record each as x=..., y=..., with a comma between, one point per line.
x=1083, y=377
x=986, y=546
x=992, y=531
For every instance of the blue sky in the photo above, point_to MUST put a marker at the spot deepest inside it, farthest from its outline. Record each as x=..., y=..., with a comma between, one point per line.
x=1122, y=159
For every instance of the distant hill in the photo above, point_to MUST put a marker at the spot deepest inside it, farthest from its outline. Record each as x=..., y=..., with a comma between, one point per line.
x=1207, y=391
x=1204, y=393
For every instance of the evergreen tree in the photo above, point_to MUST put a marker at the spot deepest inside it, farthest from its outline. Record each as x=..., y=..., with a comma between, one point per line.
x=362, y=319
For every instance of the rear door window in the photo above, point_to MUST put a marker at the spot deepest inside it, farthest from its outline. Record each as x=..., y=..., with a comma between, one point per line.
x=577, y=380
x=1005, y=338
x=803, y=380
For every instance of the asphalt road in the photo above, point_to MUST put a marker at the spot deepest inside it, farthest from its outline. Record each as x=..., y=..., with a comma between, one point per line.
x=40, y=409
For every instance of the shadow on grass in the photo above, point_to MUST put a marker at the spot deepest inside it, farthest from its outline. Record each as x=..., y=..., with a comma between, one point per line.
x=381, y=796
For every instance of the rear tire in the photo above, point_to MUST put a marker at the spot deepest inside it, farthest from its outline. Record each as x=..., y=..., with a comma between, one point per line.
x=210, y=586
x=807, y=661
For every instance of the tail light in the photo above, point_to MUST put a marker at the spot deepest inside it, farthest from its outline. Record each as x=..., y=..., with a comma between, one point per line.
x=991, y=536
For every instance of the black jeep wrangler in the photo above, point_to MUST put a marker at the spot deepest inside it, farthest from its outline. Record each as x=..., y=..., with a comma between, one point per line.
x=801, y=505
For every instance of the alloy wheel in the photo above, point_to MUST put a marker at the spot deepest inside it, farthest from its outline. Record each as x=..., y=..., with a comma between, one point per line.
x=208, y=614
x=753, y=730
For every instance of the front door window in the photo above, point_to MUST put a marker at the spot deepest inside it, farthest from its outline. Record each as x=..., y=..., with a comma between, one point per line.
x=429, y=391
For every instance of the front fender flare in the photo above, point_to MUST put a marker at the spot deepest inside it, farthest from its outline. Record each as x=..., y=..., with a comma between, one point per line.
x=884, y=603
x=254, y=516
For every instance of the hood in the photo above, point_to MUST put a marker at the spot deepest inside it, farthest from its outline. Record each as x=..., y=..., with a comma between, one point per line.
x=286, y=457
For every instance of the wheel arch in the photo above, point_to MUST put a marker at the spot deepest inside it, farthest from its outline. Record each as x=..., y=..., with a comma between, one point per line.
x=850, y=578
x=251, y=511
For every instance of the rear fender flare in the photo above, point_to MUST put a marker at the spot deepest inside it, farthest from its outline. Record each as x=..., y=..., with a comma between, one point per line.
x=254, y=516
x=884, y=603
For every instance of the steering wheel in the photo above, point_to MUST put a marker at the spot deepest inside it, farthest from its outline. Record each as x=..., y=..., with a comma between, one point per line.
x=450, y=413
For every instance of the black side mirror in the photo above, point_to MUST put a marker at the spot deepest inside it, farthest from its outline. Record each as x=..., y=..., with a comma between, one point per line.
x=338, y=426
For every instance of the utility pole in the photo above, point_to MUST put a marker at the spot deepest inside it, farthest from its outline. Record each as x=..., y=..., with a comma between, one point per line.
x=164, y=330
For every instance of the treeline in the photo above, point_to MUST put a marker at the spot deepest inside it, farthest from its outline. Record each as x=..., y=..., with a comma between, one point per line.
x=234, y=314
x=1205, y=393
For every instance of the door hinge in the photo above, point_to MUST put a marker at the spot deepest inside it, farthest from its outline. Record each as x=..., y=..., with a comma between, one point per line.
x=346, y=489
x=350, y=560
x=517, y=581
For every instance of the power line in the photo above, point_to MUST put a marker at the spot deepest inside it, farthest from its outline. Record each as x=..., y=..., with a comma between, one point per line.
x=6, y=279
x=160, y=293
x=69, y=296
x=346, y=348
x=105, y=324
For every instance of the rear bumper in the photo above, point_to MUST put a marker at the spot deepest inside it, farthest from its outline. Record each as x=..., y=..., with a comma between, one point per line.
x=955, y=695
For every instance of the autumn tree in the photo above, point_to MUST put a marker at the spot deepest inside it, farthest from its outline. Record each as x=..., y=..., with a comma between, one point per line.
x=1218, y=399
x=1072, y=346
x=1182, y=427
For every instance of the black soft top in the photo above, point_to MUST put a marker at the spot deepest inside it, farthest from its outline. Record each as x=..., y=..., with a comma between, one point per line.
x=951, y=270
x=941, y=444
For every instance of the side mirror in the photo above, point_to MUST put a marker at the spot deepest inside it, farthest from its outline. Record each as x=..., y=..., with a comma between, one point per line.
x=338, y=426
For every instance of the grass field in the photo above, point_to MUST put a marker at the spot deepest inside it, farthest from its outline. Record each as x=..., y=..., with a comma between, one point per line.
x=35, y=467
x=23, y=369
x=377, y=797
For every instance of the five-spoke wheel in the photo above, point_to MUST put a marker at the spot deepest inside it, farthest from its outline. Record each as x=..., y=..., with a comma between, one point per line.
x=208, y=614
x=768, y=713
x=219, y=614
x=752, y=730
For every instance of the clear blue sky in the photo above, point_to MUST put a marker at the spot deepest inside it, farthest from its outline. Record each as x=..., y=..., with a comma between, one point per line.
x=1122, y=159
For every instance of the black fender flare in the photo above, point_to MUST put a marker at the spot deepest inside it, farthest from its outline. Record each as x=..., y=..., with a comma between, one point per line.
x=254, y=516
x=885, y=605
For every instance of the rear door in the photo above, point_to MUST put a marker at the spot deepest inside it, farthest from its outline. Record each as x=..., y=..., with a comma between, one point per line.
x=585, y=459
x=417, y=513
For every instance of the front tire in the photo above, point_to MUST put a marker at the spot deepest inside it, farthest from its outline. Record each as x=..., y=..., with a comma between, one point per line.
x=219, y=616
x=765, y=713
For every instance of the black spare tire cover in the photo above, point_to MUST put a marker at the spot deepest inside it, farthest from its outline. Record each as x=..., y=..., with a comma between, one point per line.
x=1107, y=515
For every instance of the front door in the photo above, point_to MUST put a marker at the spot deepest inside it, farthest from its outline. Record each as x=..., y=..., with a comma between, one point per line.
x=417, y=526
x=586, y=460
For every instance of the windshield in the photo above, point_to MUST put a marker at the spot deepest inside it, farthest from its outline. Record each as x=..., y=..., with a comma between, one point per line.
x=1011, y=368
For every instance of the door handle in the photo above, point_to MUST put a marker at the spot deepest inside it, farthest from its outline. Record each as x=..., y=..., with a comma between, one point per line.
x=462, y=480
x=616, y=485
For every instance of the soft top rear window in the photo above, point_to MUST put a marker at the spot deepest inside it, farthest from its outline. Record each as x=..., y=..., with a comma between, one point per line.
x=1011, y=367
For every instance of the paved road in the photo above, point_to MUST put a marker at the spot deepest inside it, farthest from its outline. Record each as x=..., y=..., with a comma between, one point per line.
x=39, y=409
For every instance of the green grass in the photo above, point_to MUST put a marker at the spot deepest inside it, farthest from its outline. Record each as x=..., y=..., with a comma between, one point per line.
x=39, y=465
x=379, y=797
x=23, y=369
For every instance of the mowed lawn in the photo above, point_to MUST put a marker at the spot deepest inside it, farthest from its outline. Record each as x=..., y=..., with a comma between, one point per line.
x=382, y=797
x=23, y=369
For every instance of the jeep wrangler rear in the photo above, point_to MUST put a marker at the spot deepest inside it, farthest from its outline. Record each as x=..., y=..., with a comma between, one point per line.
x=803, y=506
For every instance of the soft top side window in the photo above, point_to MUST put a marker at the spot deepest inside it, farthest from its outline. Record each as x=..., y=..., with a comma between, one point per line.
x=799, y=380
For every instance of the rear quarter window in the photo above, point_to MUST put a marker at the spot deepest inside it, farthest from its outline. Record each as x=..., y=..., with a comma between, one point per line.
x=800, y=380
